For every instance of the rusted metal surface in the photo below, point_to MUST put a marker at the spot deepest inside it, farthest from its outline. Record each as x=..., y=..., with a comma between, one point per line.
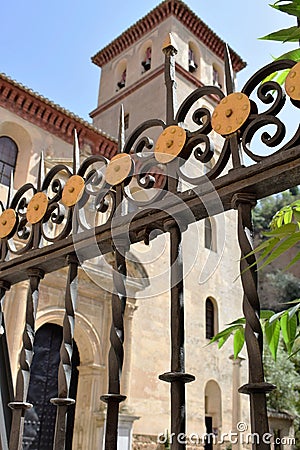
x=177, y=376
x=42, y=224
x=256, y=387
x=66, y=351
x=118, y=304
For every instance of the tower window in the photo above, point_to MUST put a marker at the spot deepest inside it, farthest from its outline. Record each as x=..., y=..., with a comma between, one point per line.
x=8, y=158
x=121, y=84
x=210, y=235
x=209, y=319
x=192, y=63
x=216, y=78
x=146, y=63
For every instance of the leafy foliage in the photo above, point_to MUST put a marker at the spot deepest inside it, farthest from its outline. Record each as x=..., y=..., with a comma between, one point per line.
x=284, y=234
x=291, y=34
x=282, y=373
x=273, y=324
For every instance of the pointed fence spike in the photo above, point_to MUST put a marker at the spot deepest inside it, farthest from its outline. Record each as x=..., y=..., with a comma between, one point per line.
x=76, y=153
x=10, y=192
x=41, y=173
x=121, y=135
x=229, y=80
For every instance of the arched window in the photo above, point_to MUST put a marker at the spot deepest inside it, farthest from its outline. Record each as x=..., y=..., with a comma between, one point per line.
x=146, y=62
x=210, y=234
x=122, y=81
x=210, y=327
x=192, y=60
x=217, y=79
x=8, y=158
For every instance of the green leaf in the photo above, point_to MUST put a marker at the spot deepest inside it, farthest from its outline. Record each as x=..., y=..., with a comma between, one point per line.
x=296, y=215
x=266, y=314
x=284, y=230
x=240, y=321
x=294, y=260
x=282, y=247
x=291, y=34
x=224, y=333
x=276, y=316
x=288, y=328
x=288, y=216
x=292, y=8
x=292, y=311
x=222, y=341
x=282, y=76
x=238, y=341
x=294, y=55
x=272, y=331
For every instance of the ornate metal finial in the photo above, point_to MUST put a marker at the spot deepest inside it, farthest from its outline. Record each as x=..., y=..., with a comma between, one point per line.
x=76, y=153
x=121, y=134
x=10, y=191
x=41, y=172
x=120, y=166
x=170, y=49
x=229, y=80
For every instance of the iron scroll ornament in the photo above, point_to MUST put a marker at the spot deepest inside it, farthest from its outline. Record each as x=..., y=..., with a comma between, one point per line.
x=59, y=220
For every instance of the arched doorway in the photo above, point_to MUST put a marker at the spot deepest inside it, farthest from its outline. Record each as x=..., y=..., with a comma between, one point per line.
x=213, y=413
x=40, y=420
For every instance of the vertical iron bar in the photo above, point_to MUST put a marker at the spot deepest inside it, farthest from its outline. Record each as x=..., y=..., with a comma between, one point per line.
x=65, y=367
x=5, y=370
x=230, y=88
x=169, y=49
x=118, y=304
x=257, y=387
x=19, y=405
x=177, y=376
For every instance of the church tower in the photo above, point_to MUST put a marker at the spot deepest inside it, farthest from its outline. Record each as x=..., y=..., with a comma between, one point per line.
x=132, y=74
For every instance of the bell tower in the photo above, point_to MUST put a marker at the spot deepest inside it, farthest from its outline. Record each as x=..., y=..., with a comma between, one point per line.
x=132, y=65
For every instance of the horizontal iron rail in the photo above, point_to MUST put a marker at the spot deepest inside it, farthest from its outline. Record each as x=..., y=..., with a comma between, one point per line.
x=272, y=175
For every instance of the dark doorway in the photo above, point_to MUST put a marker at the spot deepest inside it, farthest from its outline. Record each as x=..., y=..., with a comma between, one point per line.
x=209, y=437
x=40, y=420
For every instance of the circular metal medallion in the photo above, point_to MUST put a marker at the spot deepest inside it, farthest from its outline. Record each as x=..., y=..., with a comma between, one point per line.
x=73, y=190
x=37, y=207
x=8, y=220
x=169, y=144
x=118, y=169
x=231, y=113
x=292, y=82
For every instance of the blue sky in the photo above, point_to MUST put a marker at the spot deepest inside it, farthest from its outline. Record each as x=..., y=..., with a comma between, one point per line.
x=47, y=46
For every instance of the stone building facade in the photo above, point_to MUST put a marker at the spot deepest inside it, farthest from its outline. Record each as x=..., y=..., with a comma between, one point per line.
x=132, y=73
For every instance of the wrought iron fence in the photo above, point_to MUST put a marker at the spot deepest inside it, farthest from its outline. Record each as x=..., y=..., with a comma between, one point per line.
x=48, y=226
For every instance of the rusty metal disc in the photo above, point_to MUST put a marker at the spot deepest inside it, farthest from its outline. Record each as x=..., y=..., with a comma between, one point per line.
x=169, y=144
x=118, y=169
x=8, y=220
x=292, y=82
x=231, y=113
x=37, y=208
x=73, y=190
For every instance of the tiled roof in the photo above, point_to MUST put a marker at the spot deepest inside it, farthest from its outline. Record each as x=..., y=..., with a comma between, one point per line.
x=46, y=114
